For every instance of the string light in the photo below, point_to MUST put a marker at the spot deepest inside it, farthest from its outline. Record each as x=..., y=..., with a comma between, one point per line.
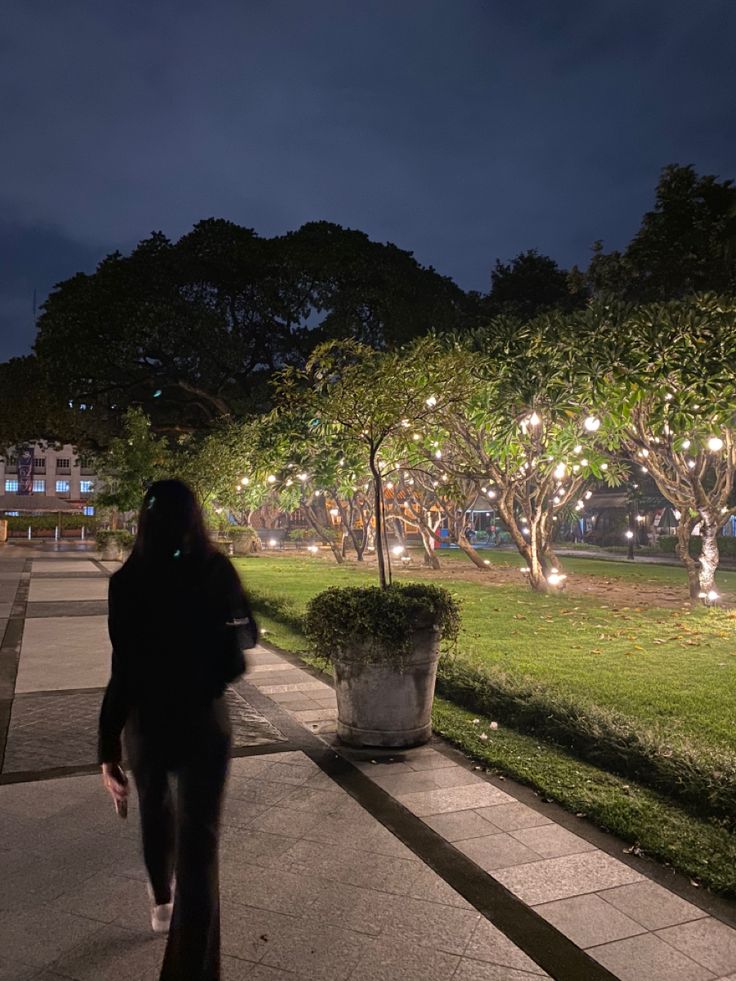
x=245, y=481
x=560, y=471
x=715, y=443
x=686, y=444
x=592, y=424
x=271, y=479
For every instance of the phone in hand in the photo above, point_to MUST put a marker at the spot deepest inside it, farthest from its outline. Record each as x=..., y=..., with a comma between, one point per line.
x=121, y=806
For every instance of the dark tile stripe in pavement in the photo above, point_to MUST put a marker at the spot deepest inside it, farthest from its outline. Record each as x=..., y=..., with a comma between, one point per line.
x=89, y=574
x=10, y=648
x=66, y=608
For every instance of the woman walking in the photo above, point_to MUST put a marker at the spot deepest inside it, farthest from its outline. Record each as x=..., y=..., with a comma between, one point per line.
x=178, y=621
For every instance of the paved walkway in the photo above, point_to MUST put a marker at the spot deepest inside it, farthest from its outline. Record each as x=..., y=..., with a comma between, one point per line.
x=335, y=865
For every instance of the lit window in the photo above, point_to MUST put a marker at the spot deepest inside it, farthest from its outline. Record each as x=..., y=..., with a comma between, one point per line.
x=39, y=486
x=12, y=514
x=86, y=486
x=11, y=486
x=89, y=511
x=62, y=486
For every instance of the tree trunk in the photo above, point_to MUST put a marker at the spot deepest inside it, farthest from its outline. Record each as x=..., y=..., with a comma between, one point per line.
x=324, y=537
x=378, y=510
x=682, y=547
x=471, y=553
x=709, y=559
x=430, y=553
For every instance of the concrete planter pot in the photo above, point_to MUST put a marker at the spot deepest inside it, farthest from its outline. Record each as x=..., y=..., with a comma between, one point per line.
x=384, y=703
x=112, y=552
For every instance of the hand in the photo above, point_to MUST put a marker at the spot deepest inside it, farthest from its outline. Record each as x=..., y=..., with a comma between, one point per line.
x=115, y=782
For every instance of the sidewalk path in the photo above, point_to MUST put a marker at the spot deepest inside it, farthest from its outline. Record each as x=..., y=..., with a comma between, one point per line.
x=334, y=865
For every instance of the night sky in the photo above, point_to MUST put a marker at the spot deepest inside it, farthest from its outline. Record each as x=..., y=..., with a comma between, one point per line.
x=462, y=130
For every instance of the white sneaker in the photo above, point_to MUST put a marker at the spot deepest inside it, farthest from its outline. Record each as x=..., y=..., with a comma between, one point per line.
x=161, y=914
x=161, y=917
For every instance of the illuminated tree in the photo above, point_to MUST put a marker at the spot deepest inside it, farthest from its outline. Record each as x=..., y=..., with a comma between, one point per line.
x=530, y=437
x=358, y=399
x=668, y=375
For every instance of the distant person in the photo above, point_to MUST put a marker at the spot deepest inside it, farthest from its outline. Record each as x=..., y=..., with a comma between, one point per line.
x=179, y=621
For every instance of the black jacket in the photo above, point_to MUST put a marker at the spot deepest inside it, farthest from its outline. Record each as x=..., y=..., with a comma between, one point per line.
x=173, y=652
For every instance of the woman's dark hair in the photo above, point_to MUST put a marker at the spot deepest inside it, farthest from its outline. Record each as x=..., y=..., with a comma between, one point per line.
x=170, y=524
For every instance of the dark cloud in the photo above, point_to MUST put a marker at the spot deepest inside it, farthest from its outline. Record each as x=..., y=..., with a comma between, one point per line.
x=462, y=131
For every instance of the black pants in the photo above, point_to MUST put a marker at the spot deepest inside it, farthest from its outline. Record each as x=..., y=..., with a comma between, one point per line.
x=183, y=839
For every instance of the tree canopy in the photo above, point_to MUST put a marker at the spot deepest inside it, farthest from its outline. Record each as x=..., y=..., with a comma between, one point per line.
x=192, y=331
x=686, y=243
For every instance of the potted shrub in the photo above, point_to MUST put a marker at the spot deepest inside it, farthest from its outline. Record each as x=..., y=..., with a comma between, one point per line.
x=384, y=645
x=113, y=544
x=245, y=540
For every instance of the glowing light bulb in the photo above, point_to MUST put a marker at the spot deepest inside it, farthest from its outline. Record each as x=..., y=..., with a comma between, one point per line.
x=592, y=424
x=245, y=481
x=271, y=479
x=534, y=419
x=560, y=471
x=629, y=534
x=686, y=444
x=715, y=443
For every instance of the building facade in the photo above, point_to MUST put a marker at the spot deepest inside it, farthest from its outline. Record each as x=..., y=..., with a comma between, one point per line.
x=42, y=469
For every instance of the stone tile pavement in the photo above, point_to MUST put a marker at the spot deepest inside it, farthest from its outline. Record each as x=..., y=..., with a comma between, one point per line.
x=335, y=864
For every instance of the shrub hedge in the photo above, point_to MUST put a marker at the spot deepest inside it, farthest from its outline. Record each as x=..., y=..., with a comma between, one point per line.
x=70, y=521
x=726, y=545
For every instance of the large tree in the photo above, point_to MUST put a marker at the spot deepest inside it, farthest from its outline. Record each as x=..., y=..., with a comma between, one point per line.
x=192, y=331
x=686, y=243
x=531, y=284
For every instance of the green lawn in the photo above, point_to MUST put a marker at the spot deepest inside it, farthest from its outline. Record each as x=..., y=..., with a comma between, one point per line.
x=636, y=571
x=672, y=670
